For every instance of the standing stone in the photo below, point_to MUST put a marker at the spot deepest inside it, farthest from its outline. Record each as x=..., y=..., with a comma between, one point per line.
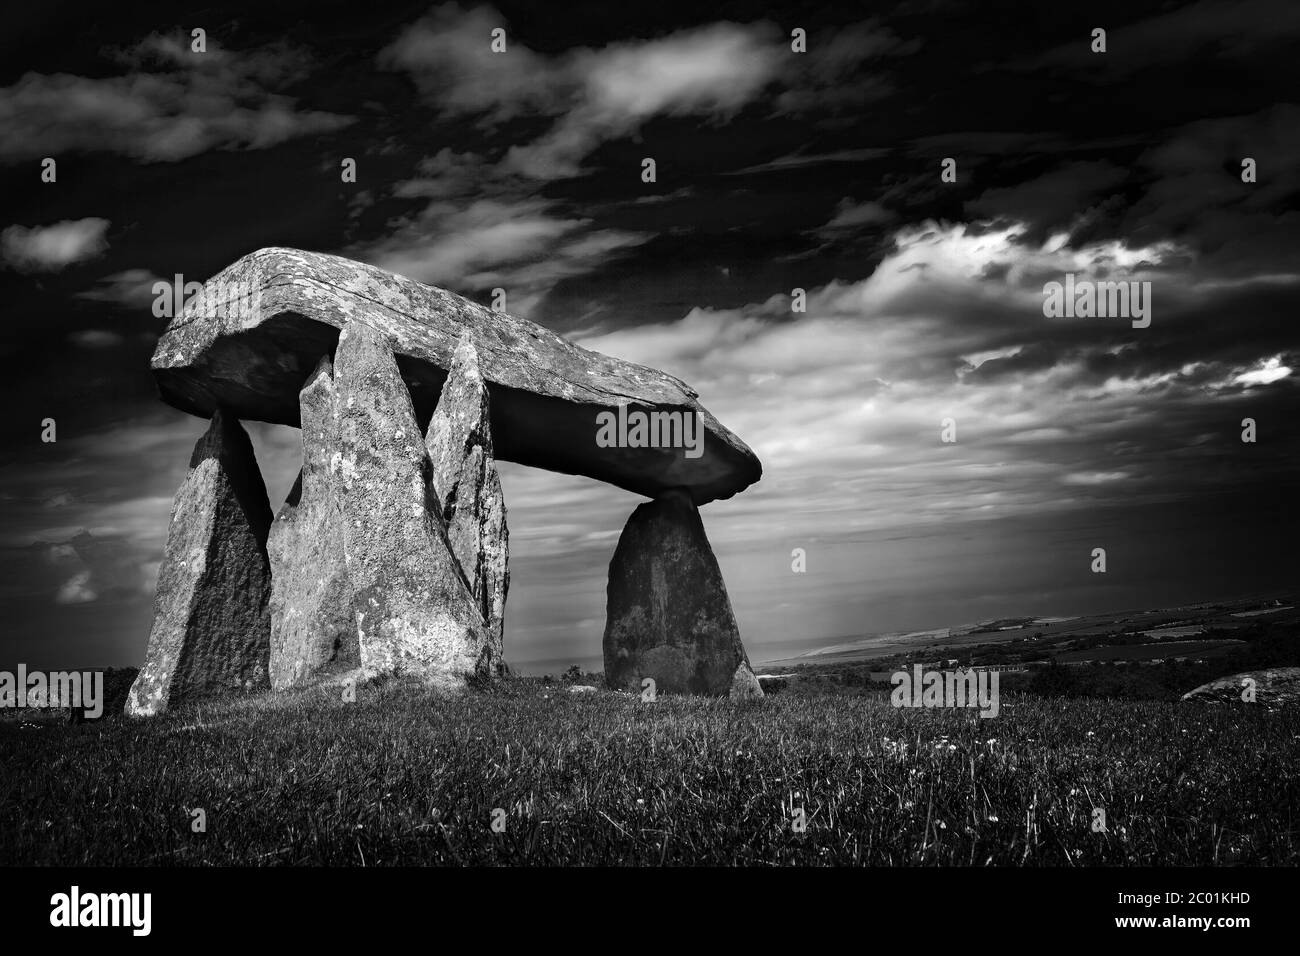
x=667, y=614
x=414, y=611
x=313, y=630
x=744, y=685
x=468, y=489
x=211, y=626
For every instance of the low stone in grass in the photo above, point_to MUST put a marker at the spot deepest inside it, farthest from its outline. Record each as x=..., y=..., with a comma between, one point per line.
x=744, y=685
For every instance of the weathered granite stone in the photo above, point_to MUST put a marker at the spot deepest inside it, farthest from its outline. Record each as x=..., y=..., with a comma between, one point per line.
x=667, y=614
x=313, y=628
x=211, y=625
x=744, y=685
x=414, y=611
x=250, y=340
x=468, y=488
x=1274, y=687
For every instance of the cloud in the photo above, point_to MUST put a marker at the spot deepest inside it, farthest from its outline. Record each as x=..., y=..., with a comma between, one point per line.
x=834, y=75
x=484, y=228
x=170, y=105
x=851, y=216
x=850, y=396
x=802, y=160
x=521, y=245
x=1057, y=198
x=448, y=55
x=1094, y=477
x=1195, y=190
x=594, y=95
x=709, y=72
x=1265, y=373
x=75, y=590
x=1222, y=29
x=131, y=288
x=51, y=248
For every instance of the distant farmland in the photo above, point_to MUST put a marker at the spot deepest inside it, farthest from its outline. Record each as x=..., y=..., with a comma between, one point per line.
x=1147, y=652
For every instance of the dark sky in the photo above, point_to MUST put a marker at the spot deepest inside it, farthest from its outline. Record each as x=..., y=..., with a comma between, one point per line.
x=776, y=170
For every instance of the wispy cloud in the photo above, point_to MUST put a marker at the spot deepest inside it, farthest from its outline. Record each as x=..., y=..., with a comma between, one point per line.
x=131, y=288
x=168, y=105
x=51, y=248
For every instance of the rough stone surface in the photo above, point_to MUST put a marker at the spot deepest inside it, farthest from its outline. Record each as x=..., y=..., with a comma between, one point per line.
x=313, y=629
x=667, y=612
x=744, y=685
x=1275, y=687
x=414, y=611
x=468, y=488
x=211, y=625
x=250, y=350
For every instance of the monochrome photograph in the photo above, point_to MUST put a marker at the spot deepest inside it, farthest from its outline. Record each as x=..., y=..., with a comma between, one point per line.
x=852, y=439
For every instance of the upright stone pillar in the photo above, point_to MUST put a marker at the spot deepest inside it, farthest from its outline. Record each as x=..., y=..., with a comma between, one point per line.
x=668, y=616
x=313, y=628
x=414, y=612
x=468, y=489
x=211, y=626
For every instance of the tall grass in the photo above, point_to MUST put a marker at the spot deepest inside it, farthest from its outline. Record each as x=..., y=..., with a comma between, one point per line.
x=406, y=778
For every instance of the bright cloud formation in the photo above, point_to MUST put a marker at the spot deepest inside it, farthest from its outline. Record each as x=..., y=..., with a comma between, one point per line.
x=845, y=403
x=51, y=248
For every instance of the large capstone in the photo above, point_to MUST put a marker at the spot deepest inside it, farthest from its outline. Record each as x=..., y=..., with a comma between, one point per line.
x=211, y=626
x=668, y=617
x=415, y=613
x=467, y=487
x=313, y=626
x=258, y=328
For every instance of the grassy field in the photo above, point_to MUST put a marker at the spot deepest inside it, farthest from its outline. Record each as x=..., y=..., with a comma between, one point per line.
x=401, y=778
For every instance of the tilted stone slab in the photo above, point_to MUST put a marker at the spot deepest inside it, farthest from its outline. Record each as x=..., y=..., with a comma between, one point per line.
x=211, y=625
x=250, y=341
x=313, y=627
x=668, y=616
x=468, y=489
x=414, y=611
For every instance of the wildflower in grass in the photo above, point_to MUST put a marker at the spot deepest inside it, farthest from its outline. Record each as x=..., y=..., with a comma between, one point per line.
x=993, y=818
